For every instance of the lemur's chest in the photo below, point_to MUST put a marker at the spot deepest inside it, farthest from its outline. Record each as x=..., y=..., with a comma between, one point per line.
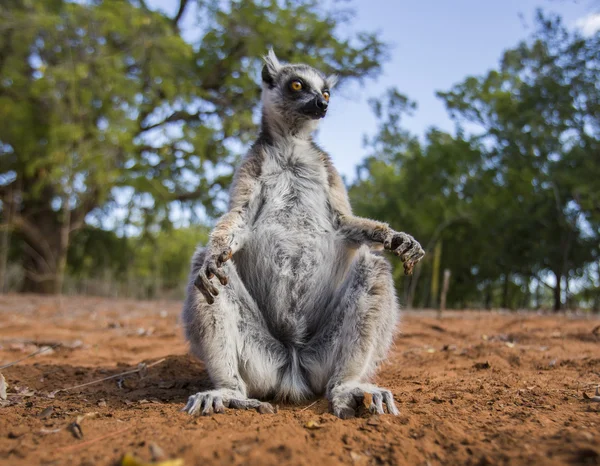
x=294, y=191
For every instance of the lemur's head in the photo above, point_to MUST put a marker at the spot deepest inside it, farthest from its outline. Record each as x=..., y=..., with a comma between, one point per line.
x=294, y=94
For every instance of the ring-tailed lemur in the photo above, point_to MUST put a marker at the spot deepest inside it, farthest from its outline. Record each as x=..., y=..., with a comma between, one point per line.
x=304, y=307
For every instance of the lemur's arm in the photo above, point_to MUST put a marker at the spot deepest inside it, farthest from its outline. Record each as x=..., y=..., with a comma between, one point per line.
x=363, y=230
x=230, y=233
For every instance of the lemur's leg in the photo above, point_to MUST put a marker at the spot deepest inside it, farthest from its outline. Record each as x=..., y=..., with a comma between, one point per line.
x=232, y=339
x=355, y=334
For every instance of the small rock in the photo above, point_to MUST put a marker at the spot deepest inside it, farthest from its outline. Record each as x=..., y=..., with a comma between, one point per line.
x=481, y=365
x=373, y=421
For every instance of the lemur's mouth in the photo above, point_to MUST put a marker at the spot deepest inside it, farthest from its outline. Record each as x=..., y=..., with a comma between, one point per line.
x=315, y=109
x=315, y=115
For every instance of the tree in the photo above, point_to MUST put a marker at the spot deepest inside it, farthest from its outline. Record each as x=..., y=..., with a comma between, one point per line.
x=539, y=117
x=104, y=105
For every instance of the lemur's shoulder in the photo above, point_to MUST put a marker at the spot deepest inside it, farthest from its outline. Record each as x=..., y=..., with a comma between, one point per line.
x=337, y=188
x=246, y=175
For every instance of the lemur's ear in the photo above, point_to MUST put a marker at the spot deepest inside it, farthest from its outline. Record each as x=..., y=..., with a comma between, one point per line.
x=332, y=80
x=271, y=68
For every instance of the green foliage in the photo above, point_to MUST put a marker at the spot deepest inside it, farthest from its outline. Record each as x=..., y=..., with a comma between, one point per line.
x=515, y=202
x=146, y=266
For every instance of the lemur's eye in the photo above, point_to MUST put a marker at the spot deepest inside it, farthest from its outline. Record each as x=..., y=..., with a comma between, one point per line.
x=326, y=95
x=296, y=85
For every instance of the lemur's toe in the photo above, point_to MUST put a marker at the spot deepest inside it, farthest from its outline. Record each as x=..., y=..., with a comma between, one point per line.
x=266, y=408
x=344, y=412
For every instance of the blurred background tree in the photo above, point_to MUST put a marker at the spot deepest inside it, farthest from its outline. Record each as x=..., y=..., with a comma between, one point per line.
x=516, y=203
x=119, y=135
x=105, y=108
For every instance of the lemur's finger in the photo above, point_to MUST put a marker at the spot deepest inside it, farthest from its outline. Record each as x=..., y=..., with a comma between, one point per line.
x=415, y=254
x=206, y=287
x=399, y=240
x=404, y=248
x=209, y=298
x=225, y=256
x=212, y=270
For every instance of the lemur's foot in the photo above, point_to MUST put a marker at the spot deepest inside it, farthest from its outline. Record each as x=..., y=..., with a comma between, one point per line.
x=212, y=267
x=405, y=246
x=215, y=401
x=346, y=398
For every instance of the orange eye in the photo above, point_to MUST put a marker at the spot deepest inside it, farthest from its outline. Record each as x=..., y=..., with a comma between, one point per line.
x=326, y=95
x=296, y=86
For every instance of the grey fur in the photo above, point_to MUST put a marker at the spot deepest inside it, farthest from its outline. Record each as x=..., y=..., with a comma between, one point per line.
x=304, y=307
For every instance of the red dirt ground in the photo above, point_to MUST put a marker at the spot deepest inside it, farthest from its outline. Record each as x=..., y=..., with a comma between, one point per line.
x=473, y=388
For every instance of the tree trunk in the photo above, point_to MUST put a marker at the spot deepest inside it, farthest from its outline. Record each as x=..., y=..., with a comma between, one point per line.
x=435, y=274
x=44, y=275
x=45, y=246
x=505, y=304
x=413, y=286
x=488, y=297
x=557, y=297
x=444, y=293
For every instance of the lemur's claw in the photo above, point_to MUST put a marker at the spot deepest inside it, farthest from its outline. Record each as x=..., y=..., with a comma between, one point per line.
x=225, y=256
x=212, y=267
x=407, y=248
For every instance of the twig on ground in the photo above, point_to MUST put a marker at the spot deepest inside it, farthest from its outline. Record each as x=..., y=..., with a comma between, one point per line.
x=309, y=406
x=77, y=446
x=142, y=367
x=41, y=350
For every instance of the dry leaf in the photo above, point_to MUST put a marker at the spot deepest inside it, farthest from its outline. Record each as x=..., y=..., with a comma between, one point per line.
x=46, y=412
x=50, y=431
x=3, y=387
x=130, y=460
x=83, y=417
x=156, y=452
x=75, y=429
x=312, y=425
x=24, y=391
x=595, y=398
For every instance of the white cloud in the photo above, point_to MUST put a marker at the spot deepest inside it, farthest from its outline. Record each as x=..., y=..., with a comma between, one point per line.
x=589, y=25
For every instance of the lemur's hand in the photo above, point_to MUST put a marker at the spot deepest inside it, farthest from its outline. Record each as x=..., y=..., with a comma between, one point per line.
x=405, y=246
x=212, y=267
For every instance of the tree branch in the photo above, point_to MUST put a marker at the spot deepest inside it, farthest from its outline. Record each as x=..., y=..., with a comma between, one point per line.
x=182, y=5
x=87, y=204
x=174, y=117
x=189, y=196
x=34, y=235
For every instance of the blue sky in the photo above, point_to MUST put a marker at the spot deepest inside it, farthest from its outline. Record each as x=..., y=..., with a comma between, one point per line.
x=435, y=44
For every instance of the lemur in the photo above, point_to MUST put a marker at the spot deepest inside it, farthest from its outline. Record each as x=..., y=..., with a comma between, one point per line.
x=304, y=305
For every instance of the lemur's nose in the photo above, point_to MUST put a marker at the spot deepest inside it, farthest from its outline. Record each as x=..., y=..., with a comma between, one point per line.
x=322, y=103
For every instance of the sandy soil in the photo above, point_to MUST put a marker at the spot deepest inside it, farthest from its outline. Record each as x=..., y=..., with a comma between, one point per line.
x=473, y=388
